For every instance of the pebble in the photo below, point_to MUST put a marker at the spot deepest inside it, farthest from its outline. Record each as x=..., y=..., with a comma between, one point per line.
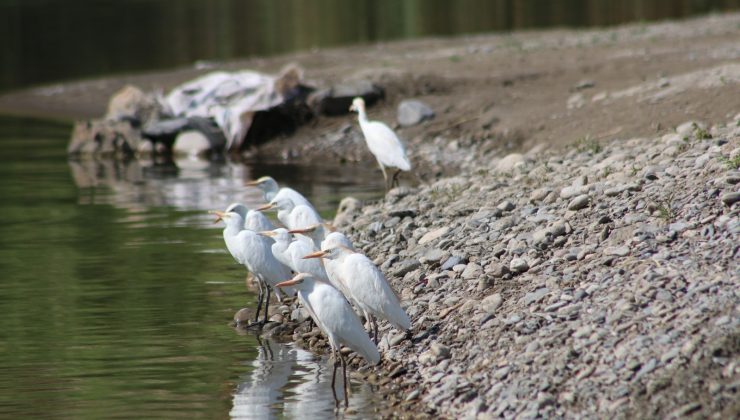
x=618, y=251
x=433, y=235
x=518, y=265
x=491, y=303
x=731, y=198
x=579, y=202
x=451, y=262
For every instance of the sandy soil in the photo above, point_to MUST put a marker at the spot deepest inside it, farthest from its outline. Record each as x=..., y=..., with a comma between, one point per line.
x=493, y=93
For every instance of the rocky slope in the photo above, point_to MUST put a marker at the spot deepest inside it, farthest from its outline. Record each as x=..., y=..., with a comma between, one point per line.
x=600, y=281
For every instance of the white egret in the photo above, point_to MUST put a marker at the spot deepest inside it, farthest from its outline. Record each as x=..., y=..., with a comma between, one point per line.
x=336, y=319
x=292, y=216
x=382, y=142
x=367, y=286
x=270, y=189
x=250, y=249
x=253, y=220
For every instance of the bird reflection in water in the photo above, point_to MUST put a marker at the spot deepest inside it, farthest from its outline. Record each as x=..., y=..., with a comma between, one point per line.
x=287, y=381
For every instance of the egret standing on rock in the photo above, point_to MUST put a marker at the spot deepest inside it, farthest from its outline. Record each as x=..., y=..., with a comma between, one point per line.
x=336, y=319
x=382, y=142
x=250, y=249
x=367, y=286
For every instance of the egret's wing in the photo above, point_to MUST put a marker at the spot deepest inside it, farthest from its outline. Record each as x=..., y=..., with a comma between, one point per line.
x=385, y=145
x=370, y=288
x=298, y=250
x=262, y=262
x=303, y=216
x=258, y=222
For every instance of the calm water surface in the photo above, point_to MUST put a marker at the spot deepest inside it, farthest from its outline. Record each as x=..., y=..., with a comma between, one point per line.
x=116, y=291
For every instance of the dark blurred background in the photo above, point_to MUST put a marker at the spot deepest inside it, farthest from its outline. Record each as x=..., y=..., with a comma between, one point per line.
x=53, y=40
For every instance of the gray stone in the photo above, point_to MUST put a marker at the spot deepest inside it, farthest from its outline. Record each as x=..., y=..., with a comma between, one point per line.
x=299, y=314
x=472, y=271
x=506, y=205
x=573, y=190
x=491, y=303
x=536, y=296
x=496, y=270
x=730, y=198
x=451, y=262
x=411, y=112
x=579, y=202
x=405, y=267
x=509, y=162
x=433, y=235
x=518, y=265
x=440, y=351
x=618, y=251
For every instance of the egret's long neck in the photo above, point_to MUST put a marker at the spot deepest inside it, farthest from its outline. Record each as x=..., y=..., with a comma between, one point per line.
x=232, y=229
x=362, y=116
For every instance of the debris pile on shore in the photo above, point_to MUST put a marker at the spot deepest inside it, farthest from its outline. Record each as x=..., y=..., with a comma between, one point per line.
x=211, y=114
x=596, y=282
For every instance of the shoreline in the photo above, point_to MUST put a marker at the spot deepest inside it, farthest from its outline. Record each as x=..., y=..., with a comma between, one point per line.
x=591, y=275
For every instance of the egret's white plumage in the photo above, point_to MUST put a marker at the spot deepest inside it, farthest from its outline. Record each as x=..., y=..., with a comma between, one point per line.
x=335, y=318
x=292, y=216
x=250, y=248
x=367, y=286
x=253, y=220
x=270, y=189
x=291, y=251
x=383, y=143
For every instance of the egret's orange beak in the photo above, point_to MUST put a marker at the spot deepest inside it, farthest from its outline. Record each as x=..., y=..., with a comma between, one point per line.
x=288, y=283
x=253, y=183
x=317, y=254
x=219, y=215
x=267, y=233
x=306, y=230
x=265, y=207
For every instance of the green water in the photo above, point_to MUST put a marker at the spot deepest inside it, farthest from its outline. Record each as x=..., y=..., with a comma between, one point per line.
x=51, y=40
x=116, y=299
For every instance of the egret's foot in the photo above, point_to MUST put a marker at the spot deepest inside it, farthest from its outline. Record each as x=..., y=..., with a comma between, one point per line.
x=255, y=325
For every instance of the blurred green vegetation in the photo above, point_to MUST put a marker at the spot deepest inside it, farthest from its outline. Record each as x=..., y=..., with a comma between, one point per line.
x=51, y=40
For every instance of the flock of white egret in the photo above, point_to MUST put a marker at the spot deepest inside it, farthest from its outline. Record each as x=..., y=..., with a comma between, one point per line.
x=307, y=258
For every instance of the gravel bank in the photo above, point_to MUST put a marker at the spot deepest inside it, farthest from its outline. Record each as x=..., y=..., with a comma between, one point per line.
x=598, y=281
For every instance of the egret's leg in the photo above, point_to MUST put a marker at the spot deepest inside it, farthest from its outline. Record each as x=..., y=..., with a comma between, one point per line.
x=375, y=329
x=260, y=296
x=267, y=302
x=385, y=175
x=395, y=181
x=333, y=378
x=334, y=374
x=344, y=377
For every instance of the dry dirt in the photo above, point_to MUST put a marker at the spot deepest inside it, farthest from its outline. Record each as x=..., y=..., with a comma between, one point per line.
x=494, y=93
